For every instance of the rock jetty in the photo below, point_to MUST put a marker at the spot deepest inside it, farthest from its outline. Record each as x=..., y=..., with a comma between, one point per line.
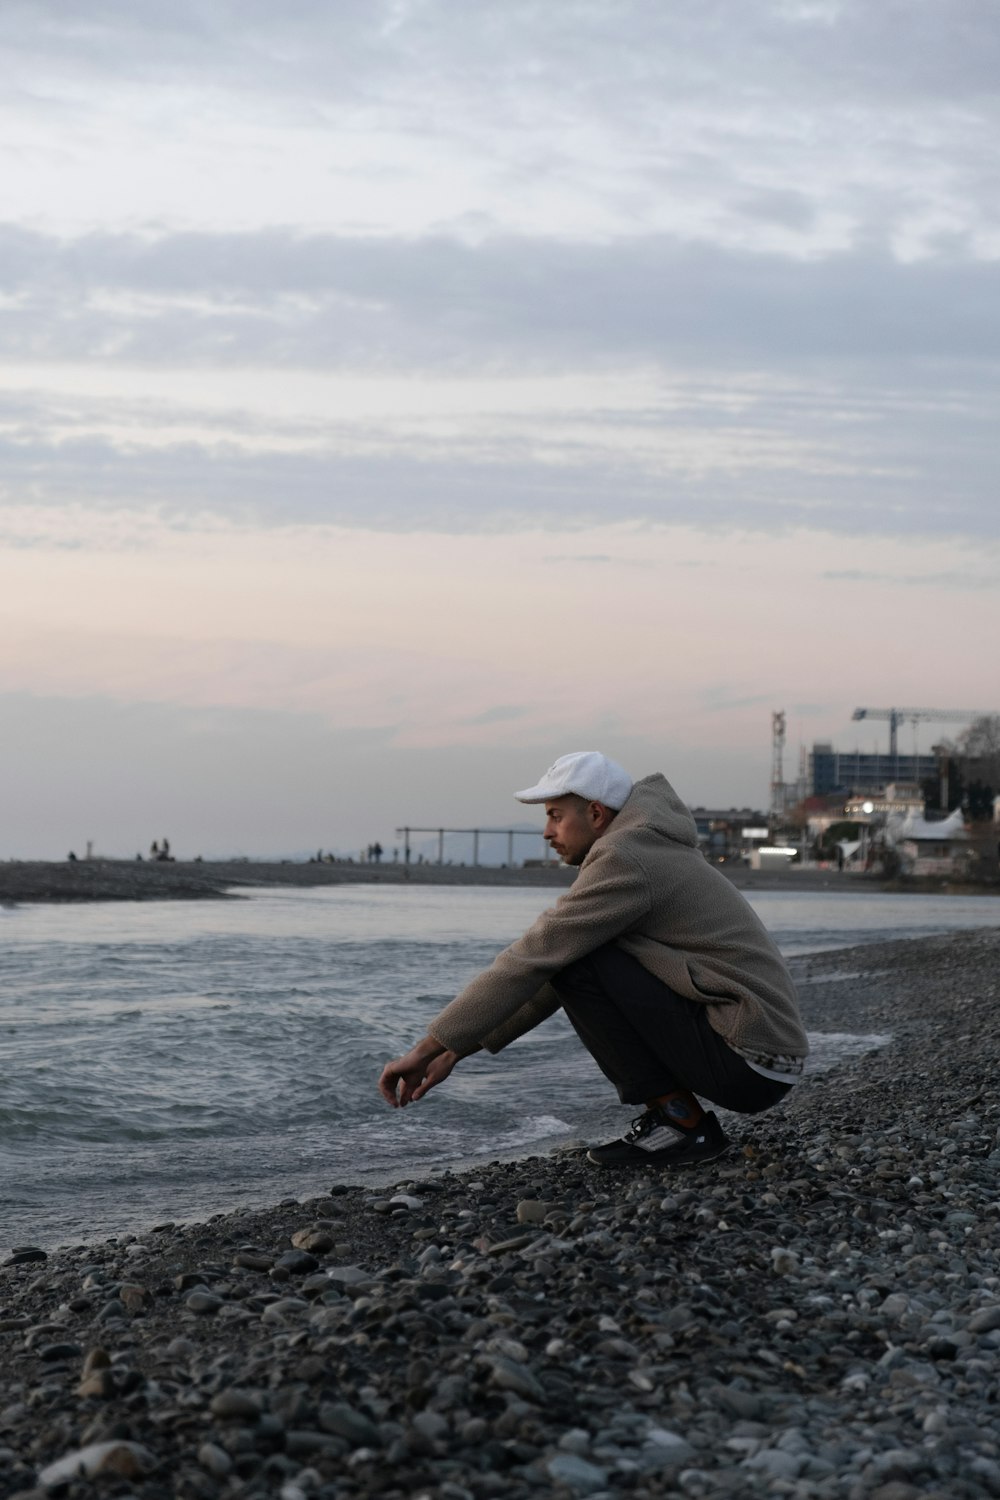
x=27, y=881
x=815, y=1315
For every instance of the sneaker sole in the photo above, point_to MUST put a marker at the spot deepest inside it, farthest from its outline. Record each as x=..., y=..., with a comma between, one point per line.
x=661, y=1159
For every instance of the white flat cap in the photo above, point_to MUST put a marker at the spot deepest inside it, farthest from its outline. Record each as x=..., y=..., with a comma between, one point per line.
x=588, y=773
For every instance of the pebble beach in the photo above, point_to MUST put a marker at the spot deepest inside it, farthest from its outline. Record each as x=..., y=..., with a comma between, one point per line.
x=816, y=1314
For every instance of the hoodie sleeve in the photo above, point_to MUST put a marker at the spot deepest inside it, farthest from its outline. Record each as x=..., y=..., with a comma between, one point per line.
x=609, y=896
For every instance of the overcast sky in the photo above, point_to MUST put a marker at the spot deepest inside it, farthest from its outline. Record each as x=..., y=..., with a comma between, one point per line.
x=396, y=394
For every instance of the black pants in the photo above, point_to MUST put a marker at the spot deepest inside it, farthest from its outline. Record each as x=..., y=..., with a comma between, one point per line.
x=649, y=1040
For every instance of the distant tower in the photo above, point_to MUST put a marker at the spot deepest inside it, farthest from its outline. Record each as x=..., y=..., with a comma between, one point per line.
x=778, y=765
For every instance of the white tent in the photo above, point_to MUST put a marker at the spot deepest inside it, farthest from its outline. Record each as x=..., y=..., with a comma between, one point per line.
x=912, y=826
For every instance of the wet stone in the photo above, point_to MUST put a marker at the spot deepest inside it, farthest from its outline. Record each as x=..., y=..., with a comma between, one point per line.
x=284, y=1308
x=986, y=1320
x=235, y=1405
x=24, y=1255
x=252, y=1260
x=127, y=1459
x=203, y=1303
x=303, y=1442
x=215, y=1460
x=313, y=1239
x=349, y=1275
x=99, y=1385
x=342, y=1420
x=316, y=1285
x=53, y=1353
x=134, y=1298
x=510, y=1376
x=506, y=1247
x=582, y=1477
x=531, y=1211
x=297, y=1263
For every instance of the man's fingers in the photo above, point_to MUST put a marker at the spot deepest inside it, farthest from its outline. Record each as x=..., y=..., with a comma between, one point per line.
x=407, y=1079
x=388, y=1085
x=396, y=1084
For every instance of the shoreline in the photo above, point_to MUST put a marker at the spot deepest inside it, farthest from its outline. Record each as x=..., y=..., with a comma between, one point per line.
x=29, y=882
x=816, y=1313
x=41, y=881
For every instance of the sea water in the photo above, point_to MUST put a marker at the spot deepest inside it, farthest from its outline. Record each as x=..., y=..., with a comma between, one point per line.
x=170, y=1060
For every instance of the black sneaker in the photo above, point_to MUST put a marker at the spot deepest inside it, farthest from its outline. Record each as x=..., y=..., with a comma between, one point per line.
x=653, y=1141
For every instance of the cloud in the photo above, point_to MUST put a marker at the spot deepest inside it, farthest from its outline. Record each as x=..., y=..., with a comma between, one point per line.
x=776, y=124
x=774, y=220
x=809, y=710
x=503, y=713
x=285, y=299
x=416, y=696
x=723, y=699
x=844, y=49
x=764, y=455
x=852, y=392
x=462, y=494
x=950, y=581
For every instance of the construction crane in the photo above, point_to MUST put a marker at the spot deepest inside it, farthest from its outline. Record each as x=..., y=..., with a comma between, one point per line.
x=897, y=716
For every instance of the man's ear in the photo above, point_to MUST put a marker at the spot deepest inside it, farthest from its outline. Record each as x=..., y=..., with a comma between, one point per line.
x=600, y=816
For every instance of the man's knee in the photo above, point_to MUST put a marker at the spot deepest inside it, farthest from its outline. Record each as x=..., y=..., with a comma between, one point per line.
x=578, y=978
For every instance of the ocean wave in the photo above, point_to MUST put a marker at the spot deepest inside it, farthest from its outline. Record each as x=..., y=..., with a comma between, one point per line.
x=828, y=1048
x=158, y=1055
x=534, y=1128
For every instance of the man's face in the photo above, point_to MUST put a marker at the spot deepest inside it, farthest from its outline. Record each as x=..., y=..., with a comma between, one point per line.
x=572, y=827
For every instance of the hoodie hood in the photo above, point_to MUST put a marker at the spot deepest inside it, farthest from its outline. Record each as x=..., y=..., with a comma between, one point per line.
x=654, y=805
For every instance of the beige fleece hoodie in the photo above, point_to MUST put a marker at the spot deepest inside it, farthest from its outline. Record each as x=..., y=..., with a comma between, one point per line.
x=646, y=887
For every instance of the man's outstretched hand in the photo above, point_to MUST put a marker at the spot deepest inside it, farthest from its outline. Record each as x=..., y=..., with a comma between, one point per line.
x=409, y=1078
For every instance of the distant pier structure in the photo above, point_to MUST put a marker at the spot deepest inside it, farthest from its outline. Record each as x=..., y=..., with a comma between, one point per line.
x=509, y=833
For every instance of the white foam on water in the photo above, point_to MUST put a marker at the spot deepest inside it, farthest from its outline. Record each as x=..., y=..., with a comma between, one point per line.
x=842, y=976
x=535, y=1128
x=828, y=1048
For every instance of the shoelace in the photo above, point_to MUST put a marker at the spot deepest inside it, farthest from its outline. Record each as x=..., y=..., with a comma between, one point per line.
x=641, y=1125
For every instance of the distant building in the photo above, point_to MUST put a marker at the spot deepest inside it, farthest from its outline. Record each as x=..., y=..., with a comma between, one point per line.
x=898, y=797
x=861, y=771
x=772, y=857
x=729, y=832
x=868, y=811
x=924, y=848
x=821, y=813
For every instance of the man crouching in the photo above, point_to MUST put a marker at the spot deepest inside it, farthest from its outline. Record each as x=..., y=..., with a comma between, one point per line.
x=667, y=974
